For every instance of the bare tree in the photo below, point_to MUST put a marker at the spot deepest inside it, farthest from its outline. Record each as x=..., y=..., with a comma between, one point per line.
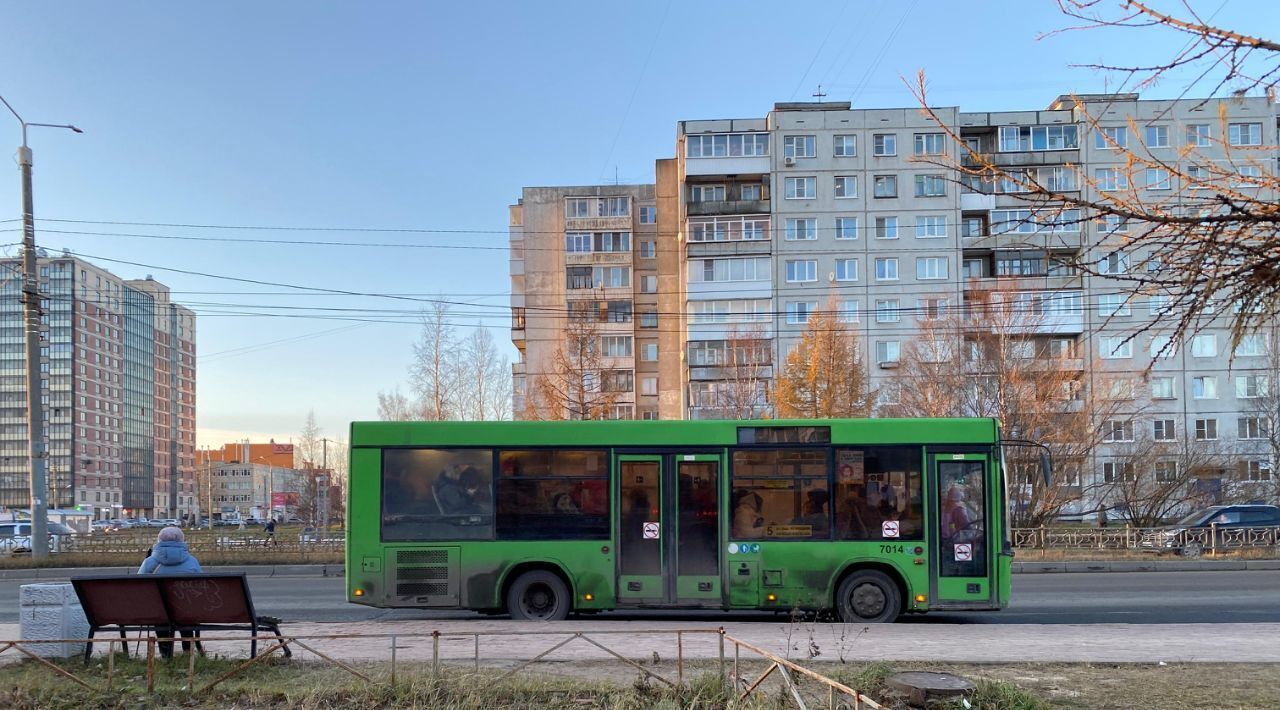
x=1146, y=482
x=394, y=406
x=576, y=383
x=743, y=367
x=1211, y=237
x=435, y=372
x=484, y=378
x=988, y=362
x=824, y=376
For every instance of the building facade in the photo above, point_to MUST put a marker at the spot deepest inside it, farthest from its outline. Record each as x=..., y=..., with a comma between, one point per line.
x=118, y=367
x=762, y=221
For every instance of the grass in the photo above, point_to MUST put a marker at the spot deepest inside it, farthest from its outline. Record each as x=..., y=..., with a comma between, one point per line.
x=613, y=686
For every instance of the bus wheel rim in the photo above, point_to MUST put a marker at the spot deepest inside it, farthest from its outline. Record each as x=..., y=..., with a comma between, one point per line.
x=868, y=600
x=538, y=600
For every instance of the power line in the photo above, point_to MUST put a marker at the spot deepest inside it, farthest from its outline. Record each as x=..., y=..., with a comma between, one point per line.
x=636, y=89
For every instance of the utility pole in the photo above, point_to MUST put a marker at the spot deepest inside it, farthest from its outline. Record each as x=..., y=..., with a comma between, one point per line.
x=36, y=452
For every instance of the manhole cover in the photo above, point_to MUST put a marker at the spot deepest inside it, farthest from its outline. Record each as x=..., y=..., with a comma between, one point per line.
x=922, y=686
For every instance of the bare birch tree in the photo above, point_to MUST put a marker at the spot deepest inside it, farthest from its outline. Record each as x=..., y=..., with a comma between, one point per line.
x=484, y=378
x=394, y=406
x=1210, y=237
x=435, y=372
x=824, y=376
x=573, y=385
x=743, y=367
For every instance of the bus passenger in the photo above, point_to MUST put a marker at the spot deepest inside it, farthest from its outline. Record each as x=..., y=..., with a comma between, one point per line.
x=859, y=521
x=815, y=512
x=747, y=519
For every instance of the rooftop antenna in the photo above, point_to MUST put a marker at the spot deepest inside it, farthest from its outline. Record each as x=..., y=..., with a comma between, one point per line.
x=615, y=175
x=819, y=94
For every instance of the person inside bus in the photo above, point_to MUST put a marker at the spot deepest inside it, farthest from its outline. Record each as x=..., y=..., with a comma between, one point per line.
x=456, y=490
x=815, y=513
x=957, y=520
x=562, y=502
x=858, y=520
x=747, y=519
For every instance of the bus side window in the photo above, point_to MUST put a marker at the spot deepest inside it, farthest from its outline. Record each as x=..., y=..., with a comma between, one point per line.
x=875, y=485
x=437, y=494
x=780, y=494
x=553, y=494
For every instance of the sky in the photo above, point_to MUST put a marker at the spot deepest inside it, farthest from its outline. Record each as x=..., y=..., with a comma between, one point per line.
x=430, y=117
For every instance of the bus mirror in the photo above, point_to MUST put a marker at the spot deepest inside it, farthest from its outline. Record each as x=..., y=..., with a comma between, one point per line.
x=1046, y=467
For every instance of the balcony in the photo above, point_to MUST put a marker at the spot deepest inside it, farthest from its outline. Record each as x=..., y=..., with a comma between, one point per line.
x=728, y=207
x=709, y=249
x=1042, y=241
x=598, y=224
x=1032, y=158
x=735, y=165
x=597, y=257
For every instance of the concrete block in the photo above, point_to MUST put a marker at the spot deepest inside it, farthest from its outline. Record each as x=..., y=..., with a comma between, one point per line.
x=45, y=620
x=1262, y=564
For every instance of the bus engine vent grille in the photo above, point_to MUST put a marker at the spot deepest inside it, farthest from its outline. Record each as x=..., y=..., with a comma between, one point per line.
x=422, y=557
x=426, y=589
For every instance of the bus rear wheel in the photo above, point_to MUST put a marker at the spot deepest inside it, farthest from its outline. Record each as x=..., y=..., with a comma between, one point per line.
x=868, y=597
x=538, y=595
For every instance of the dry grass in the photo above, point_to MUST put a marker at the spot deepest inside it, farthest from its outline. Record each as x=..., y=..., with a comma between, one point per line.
x=599, y=684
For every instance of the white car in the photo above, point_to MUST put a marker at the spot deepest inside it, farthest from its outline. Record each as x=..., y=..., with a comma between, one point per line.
x=15, y=538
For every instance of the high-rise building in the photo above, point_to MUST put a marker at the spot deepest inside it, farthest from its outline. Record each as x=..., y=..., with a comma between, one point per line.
x=118, y=374
x=764, y=220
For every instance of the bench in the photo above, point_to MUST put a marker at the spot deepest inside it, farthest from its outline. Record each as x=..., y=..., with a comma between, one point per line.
x=176, y=603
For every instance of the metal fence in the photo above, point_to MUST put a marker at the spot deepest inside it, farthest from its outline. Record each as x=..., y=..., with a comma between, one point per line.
x=1184, y=540
x=731, y=657
x=139, y=541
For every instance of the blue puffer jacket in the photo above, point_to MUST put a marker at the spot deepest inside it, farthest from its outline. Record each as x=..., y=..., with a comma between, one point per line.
x=170, y=557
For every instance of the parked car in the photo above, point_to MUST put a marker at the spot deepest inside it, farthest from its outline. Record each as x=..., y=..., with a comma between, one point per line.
x=1192, y=534
x=15, y=538
x=103, y=526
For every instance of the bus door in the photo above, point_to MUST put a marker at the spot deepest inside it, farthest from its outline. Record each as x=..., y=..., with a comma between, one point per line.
x=668, y=529
x=960, y=573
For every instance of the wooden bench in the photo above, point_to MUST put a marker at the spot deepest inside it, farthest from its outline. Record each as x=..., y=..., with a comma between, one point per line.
x=176, y=603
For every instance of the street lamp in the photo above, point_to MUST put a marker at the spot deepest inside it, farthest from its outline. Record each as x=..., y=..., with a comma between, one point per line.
x=31, y=307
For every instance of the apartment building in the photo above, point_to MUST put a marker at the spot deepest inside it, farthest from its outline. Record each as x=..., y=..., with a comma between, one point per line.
x=763, y=220
x=118, y=369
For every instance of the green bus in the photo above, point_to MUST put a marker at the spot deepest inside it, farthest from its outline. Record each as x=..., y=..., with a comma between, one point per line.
x=870, y=517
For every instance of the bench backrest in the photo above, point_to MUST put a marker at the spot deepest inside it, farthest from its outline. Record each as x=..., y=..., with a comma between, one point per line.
x=159, y=600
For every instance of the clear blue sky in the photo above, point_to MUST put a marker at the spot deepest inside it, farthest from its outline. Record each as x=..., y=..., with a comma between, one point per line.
x=432, y=116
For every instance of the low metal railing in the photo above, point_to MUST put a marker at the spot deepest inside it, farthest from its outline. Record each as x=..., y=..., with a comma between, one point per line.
x=837, y=694
x=1209, y=539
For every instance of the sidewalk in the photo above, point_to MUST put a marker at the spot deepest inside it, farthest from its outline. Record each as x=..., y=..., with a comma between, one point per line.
x=971, y=643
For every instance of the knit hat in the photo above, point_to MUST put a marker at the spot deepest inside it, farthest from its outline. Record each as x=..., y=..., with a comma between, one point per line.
x=170, y=534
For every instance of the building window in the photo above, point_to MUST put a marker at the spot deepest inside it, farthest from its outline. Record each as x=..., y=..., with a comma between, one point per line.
x=798, y=312
x=1247, y=176
x=615, y=345
x=846, y=227
x=1020, y=138
x=649, y=215
x=887, y=269
x=577, y=243
x=1111, y=138
x=1250, y=345
x=714, y=270
x=1118, y=471
x=931, y=186
x=799, y=146
x=1112, y=304
x=1162, y=388
x=932, y=308
x=885, y=185
x=706, y=193
x=1204, y=345
x=846, y=269
x=649, y=283
x=884, y=145
x=1115, y=347
x=800, y=188
x=612, y=242
x=846, y=146
x=1199, y=135
x=1163, y=430
x=1244, y=133
x=648, y=319
x=802, y=271
x=888, y=351
x=1251, y=428
x=1107, y=179
x=617, y=381
x=1206, y=429
x=1251, y=386
x=886, y=227
x=1156, y=136
x=930, y=227
x=649, y=352
x=731, y=145
x=846, y=186
x=930, y=144
x=649, y=385
x=1255, y=471
x=931, y=267
x=888, y=311
x=1115, y=430
x=648, y=249
x=1157, y=179
x=1204, y=387
x=848, y=311
x=801, y=229
x=751, y=193
x=1165, y=471
x=1114, y=263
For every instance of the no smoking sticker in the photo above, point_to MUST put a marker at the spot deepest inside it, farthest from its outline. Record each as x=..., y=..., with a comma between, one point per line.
x=964, y=552
x=889, y=528
x=650, y=531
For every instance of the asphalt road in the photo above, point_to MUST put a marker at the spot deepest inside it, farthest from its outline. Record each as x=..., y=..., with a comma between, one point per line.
x=1085, y=598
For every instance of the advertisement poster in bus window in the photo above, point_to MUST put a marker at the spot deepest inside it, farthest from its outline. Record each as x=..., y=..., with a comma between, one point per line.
x=850, y=467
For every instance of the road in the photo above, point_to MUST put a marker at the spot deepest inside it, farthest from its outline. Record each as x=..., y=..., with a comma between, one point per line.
x=1086, y=598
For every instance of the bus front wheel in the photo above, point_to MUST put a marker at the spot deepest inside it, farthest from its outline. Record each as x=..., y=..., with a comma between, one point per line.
x=538, y=595
x=868, y=597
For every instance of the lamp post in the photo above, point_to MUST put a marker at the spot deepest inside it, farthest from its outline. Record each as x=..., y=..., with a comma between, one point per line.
x=31, y=307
